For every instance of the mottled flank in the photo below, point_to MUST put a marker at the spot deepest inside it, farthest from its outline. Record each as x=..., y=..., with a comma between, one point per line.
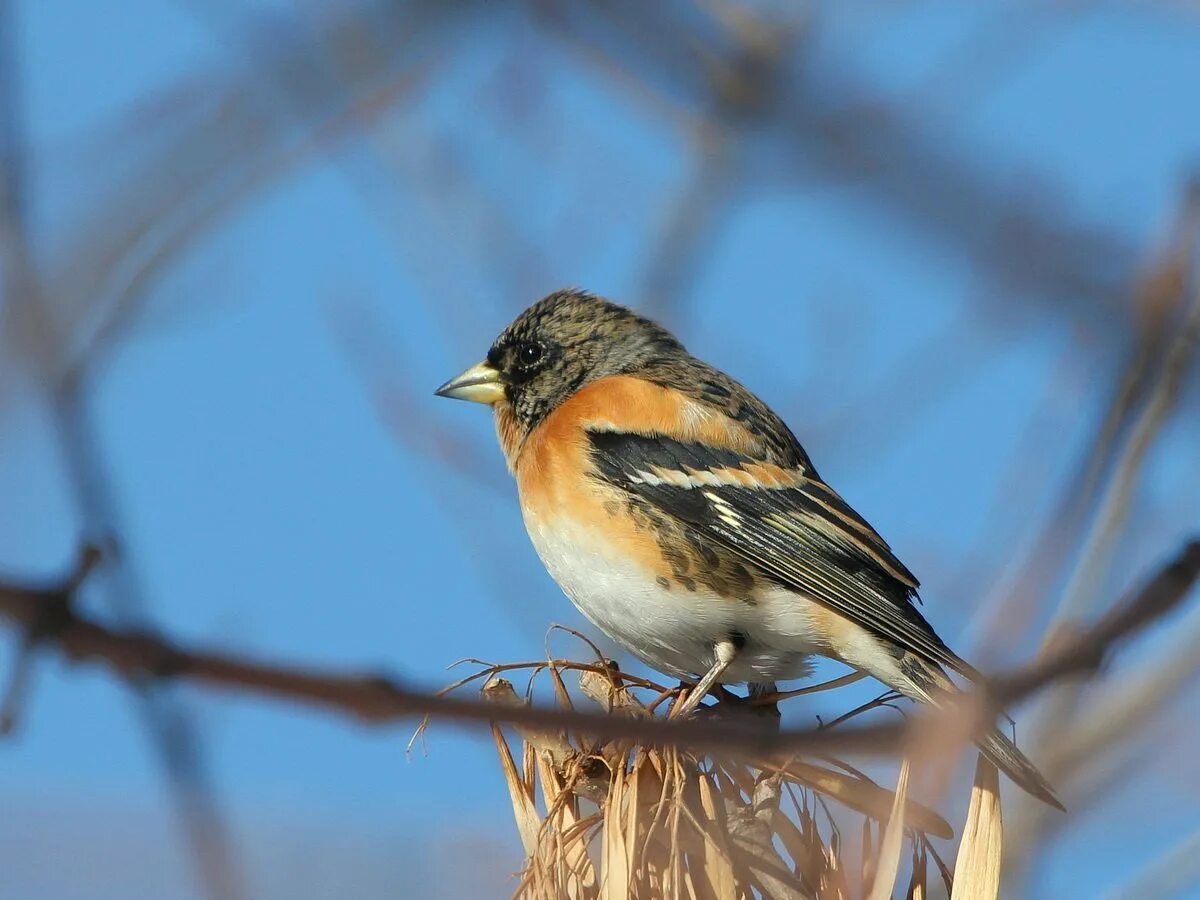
x=694, y=560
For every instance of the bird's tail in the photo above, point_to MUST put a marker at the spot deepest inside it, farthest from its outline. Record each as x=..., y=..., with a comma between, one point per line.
x=1003, y=753
x=925, y=681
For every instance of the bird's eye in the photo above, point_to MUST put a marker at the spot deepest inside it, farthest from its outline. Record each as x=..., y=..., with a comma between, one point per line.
x=529, y=355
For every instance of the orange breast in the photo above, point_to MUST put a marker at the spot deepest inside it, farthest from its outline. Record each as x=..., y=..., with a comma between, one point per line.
x=558, y=492
x=553, y=465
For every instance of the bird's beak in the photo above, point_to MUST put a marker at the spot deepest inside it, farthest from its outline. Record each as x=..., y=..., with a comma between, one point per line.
x=479, y=384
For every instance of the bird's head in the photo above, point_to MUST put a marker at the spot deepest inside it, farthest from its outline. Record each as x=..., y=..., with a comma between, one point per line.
x=561, y=343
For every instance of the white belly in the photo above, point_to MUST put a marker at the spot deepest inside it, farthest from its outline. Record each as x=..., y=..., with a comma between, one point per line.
x=672, y=629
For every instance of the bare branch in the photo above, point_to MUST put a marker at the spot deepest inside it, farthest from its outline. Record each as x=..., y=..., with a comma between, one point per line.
x=378, y=699
x=1085, y=651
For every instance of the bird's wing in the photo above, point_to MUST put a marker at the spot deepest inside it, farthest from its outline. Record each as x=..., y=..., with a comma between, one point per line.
x=786, y=522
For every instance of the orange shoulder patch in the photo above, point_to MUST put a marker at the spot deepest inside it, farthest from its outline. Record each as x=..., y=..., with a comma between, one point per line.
x=555, y=454
x=626, y=403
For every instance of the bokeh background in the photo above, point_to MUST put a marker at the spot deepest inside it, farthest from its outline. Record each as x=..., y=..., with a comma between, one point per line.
x=241, y=242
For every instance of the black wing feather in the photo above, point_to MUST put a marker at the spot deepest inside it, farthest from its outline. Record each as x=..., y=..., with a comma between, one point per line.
x=805, y=536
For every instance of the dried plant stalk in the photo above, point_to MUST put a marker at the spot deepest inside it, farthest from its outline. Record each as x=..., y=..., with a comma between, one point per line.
x=887, y=867
x=615, y=821
x=977, y=869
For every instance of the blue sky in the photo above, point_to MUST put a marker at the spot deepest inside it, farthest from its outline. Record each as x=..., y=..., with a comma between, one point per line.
x=248, y=417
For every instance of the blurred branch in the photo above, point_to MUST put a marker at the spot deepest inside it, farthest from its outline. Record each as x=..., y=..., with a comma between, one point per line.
x=977, y=63
x=1121, y=712
x=1097, y=553
x=48, y=614
x=411, y=182
x=173, y=733
x=1084, y=651
x=1169, y=875
x=376, y=355
x=1161, y=291
x=1029, y=248
x=1083, y=589
x=996, y=625
x=1054, y=720
x=170, y=730
x=226, y=144
x=1159, y=297
x=214, y=154
x=692, y=225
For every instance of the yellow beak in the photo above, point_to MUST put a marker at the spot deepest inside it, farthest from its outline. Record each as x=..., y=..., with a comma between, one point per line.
x=479, y=384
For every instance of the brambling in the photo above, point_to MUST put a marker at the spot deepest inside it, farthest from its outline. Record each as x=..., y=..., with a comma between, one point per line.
x=683, y=518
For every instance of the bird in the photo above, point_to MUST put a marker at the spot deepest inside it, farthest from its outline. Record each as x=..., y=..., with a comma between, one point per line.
x=684, y=519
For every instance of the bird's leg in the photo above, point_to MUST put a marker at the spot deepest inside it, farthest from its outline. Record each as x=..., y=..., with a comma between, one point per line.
x=759, y=689
x=769, y=712
x=725, y=653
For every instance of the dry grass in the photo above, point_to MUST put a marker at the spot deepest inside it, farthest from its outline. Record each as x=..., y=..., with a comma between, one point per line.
x=614, y=820
x=981, y=850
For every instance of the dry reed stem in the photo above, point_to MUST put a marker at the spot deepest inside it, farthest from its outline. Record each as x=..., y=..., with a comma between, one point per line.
x=977, y=869
x=670, y=823
x=887, y=866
